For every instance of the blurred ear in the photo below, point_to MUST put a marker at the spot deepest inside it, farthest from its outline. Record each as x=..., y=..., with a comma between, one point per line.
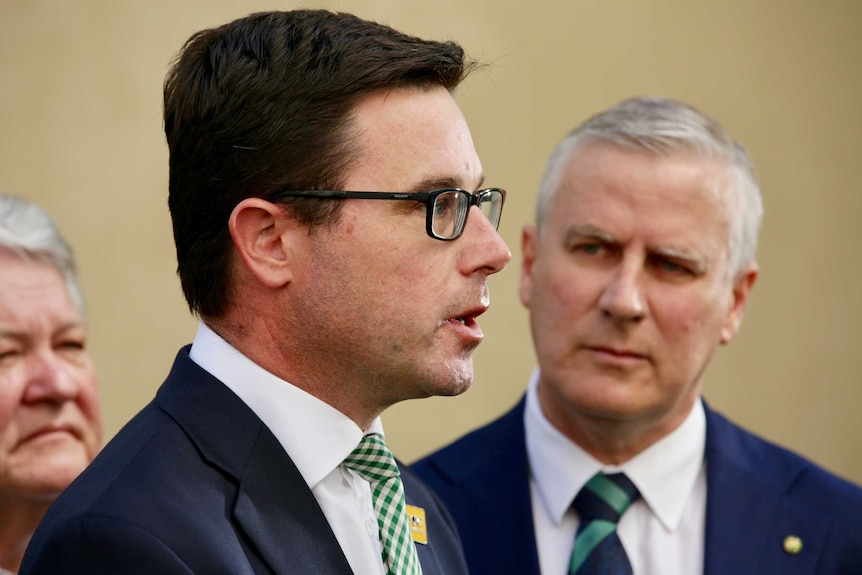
x=262, y=234
x=529, y=248
x=741, y=288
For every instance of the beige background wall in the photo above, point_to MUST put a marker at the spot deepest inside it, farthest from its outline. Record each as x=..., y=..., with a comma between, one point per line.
x=81, y=134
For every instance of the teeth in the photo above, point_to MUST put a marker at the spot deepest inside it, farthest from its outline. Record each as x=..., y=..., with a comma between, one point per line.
x=460, y=320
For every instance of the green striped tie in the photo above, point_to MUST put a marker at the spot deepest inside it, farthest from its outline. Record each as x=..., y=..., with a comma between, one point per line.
x=600, y=504
x=373, y=461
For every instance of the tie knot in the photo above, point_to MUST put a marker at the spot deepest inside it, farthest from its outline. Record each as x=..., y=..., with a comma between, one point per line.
x=372, y=460
x=605, y=497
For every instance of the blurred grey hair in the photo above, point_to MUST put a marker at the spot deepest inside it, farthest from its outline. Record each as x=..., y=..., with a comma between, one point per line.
x=663, y=126
x=28, y=230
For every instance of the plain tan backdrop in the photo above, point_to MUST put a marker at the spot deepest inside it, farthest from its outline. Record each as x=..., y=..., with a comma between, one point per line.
x=81, y=134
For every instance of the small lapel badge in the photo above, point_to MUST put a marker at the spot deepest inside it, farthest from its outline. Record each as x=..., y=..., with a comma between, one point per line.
x=416, y=519
x=792, y=545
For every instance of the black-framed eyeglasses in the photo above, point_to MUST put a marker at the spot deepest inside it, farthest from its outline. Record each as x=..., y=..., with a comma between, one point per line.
x=448, y=207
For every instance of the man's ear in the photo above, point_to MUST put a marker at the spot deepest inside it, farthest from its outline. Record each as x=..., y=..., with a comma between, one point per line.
x=529, y=247
x=262, y=235
x=741, y=288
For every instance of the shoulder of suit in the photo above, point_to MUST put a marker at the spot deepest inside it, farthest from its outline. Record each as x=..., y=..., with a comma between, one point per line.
x=799, y=476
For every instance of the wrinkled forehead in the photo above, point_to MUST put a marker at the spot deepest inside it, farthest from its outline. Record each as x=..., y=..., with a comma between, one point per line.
x=24, y=275
x=61, y=264
x=604, y=160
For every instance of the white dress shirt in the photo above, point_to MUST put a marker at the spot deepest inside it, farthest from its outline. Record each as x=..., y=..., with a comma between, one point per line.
x=316, y=436
x=662, y=531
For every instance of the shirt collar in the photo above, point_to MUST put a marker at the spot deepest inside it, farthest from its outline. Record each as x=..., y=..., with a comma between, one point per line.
x=665, y=473
x=316, y=435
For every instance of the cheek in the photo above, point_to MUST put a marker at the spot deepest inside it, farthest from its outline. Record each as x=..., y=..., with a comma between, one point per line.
x=559, y=302
x=10, y=401
x=562, y=293
x=8, y=435
x=693, y=320
x=392, y=260
x=429, y=278
x=88, y=403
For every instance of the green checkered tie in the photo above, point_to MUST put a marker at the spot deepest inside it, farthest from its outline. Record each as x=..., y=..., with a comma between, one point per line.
x=373, y=461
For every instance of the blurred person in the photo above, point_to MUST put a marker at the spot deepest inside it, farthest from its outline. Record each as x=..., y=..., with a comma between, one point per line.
x=334, y=238
x=639, y=266
x=50, y=426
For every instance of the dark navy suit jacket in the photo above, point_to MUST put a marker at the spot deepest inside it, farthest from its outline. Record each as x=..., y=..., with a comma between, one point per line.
x=757, y=495
x=196, y=483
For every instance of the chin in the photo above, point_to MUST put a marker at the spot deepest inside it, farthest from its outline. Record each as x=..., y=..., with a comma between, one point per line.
x=461, y=379
x=449, y=384
x=46, y=482
x=454, y=390
x=612, y=404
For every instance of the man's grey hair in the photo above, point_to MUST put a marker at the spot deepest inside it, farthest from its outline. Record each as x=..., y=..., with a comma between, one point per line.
x=28, y=231
x=664, y=126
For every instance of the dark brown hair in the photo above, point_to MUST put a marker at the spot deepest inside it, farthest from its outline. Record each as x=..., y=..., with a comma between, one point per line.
x=262, y=104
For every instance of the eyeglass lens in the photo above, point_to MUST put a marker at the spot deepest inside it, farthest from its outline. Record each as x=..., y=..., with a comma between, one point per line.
x=491, y=204
x=451, y=207
x=450, y=213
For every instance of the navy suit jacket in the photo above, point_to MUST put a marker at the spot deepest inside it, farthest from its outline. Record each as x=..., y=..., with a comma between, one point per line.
x=757, y=495
x=196, y=483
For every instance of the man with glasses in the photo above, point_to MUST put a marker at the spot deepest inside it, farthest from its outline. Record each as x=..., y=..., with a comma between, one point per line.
x=263, y=451
x=446, y=208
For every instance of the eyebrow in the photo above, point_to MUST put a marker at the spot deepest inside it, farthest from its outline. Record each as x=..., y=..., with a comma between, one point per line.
x=74, y=324
x=24, y=334
x=435, y=183
x=588, y=231
x=698, y=262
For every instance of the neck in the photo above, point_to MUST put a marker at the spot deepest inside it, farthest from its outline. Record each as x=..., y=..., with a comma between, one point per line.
x=613, y=440
x=307, y=369
x=18, y=521
x=610, y=443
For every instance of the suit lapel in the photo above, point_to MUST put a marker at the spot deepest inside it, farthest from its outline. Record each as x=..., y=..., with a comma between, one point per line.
x=272, y=504
x=748, y=512
x=510, y=475
x=495, y=516
x=280, y=515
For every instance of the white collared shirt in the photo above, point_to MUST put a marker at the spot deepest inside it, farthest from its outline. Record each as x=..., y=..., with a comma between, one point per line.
x=662, y=532
x=316, y=436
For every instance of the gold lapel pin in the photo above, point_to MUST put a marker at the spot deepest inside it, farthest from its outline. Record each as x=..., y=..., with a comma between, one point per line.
x=792, y=545
x=416, y=519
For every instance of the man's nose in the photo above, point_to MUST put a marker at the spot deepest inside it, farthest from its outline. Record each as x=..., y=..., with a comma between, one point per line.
x=49, y=378
x=623, y=297
x=492, y=253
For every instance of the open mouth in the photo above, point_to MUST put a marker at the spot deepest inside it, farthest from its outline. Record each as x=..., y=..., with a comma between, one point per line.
x=468, y=319
x=467, y=322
